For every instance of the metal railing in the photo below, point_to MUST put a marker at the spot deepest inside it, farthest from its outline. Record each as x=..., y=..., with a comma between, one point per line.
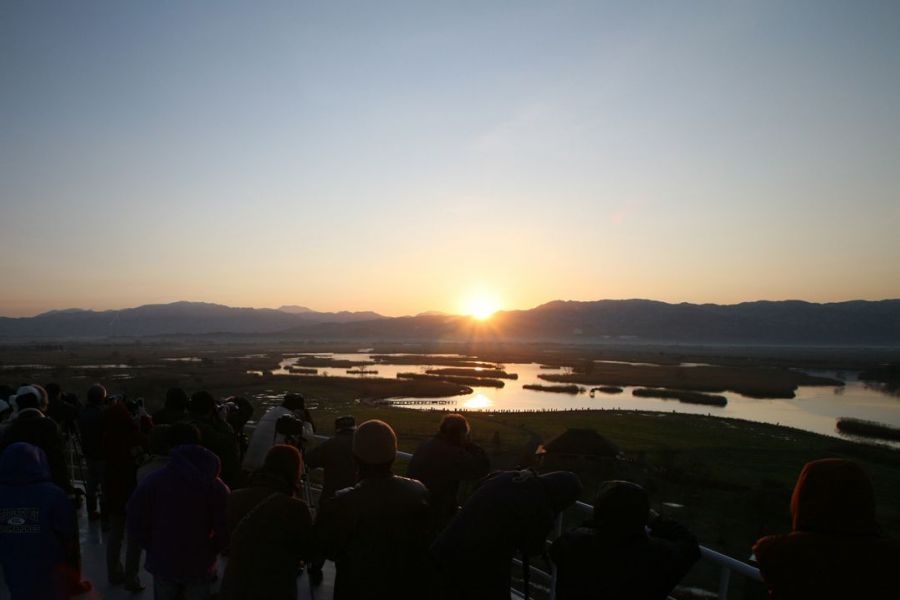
x=727, y=565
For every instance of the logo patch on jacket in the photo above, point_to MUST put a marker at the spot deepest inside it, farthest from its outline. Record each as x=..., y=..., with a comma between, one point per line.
x=20, y=520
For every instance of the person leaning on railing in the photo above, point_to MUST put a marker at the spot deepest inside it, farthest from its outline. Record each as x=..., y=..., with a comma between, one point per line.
x=615, y=556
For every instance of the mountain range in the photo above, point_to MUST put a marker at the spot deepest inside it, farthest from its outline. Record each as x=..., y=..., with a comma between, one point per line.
x=766, y=322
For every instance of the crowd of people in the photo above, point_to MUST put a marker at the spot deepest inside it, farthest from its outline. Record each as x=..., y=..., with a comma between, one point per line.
x=185, y=486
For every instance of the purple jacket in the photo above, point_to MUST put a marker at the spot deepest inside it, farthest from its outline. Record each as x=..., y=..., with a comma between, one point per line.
x=38, y=529
x=178, y=515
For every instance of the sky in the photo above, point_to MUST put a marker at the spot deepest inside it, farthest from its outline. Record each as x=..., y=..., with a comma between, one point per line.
x=412, y=156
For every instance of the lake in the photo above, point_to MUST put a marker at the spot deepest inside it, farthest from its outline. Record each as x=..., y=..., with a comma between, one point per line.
x=813, y=409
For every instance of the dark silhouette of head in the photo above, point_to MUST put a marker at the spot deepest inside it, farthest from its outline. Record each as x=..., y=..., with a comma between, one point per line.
x=176, y=400
x=347, y=423
x=180, y=434
x=374, y=447
x=53, y=391
x=284, y=462
x=834, y=495
x=96, y=395
x=455, y=428
x=621, y=508
x=294, y=401
x=202, y=404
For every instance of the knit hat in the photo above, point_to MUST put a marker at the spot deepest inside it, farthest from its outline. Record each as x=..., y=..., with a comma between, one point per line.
x=375, y=443
x=621, y=507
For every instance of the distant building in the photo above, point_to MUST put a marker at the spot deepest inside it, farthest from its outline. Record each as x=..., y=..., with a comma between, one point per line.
x=579, y=450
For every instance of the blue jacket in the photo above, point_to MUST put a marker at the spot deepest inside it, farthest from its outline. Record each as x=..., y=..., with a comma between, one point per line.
x=38, y=528
x=178, y=515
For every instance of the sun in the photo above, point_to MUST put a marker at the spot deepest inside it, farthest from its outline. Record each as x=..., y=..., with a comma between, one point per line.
x=481, y=306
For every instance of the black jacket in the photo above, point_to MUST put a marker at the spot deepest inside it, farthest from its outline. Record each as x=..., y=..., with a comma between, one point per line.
x=377, y=534
x=594, y=564
x=335, y=457
x=511, y=512
x=441, y=465
x=90, y=424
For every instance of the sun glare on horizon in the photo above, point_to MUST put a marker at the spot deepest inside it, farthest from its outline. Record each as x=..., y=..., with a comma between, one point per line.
x=481, y=306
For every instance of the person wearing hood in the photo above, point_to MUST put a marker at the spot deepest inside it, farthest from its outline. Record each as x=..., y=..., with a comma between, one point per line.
x=178, y=515
x=444, y=461
x=614, y=556
x=38, y=528
x=271, y=531
x=835, y=549
x=377, y=531
x=510, y=512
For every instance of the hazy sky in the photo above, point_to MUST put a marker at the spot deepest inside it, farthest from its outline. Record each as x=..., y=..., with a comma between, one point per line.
x=403, y=156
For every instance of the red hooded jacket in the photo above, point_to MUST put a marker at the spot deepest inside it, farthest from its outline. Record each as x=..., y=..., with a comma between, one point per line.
x=834, y=550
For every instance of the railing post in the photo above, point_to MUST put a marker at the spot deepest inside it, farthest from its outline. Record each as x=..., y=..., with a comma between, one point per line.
x=558, y=527
x=724, y=579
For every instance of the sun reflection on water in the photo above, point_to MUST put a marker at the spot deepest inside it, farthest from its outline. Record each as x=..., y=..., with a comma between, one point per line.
x=478, y=401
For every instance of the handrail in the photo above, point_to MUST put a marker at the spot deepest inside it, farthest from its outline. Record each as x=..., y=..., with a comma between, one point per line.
x=726, y=563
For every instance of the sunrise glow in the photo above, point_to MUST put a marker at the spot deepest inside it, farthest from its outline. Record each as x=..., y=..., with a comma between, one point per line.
x=481, y=306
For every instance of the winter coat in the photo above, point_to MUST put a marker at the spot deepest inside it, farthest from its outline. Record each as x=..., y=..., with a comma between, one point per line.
x=264, y=437
x=32, y=427
x=271, y=532
x=835, y=549
x=218, y=437
x=178, y=515
x=441, y=465
x=335, y=457
x=593, y=563
x=38, y=530
x=90, y=424
x=122, y=444
x=510, y=512
x=377, y=534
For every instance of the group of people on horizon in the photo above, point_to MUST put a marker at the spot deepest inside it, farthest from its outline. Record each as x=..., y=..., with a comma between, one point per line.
x=185, y=486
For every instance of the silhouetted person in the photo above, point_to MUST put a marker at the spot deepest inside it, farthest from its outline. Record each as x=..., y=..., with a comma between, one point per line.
x=61, y=409
x=445, y=460
x=835, y=549
x=177, y=514
x=38, y=532
x=216, y=435
x=238, y=411
x=30, y=425
x=377, y=531
x=265, y=435
x=510, y=512
x=174, y=409
x=335, y=457
x=90, y=426
x=271, y=531
x=612, y=555
x=162, y=439
x=123, y=444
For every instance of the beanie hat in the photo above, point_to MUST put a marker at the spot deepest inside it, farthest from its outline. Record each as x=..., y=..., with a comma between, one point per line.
x=375, y=443
x=621, y=507
x=284, y=462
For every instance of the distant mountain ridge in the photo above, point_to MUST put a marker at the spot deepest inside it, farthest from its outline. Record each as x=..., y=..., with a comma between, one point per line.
x=858, y=322
x=166, y=319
